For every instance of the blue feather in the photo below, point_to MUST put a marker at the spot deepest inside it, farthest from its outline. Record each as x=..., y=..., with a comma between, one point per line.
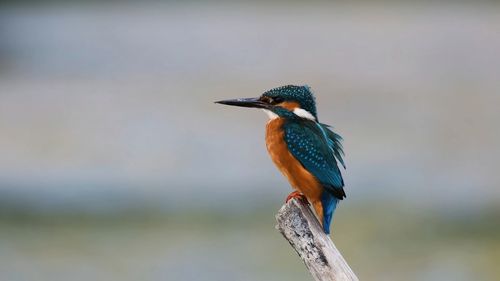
x=311, y=145
x=318, y=149
x=335, y=141
x=329, y=203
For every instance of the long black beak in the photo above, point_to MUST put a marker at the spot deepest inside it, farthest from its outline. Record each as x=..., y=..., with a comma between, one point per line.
x=248, y=102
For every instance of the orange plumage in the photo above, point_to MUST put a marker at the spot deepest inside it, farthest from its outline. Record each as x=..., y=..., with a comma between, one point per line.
x=300, y=179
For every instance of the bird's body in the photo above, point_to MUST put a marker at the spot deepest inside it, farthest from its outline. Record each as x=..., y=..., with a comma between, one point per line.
x=300, y=178
x=304, y=150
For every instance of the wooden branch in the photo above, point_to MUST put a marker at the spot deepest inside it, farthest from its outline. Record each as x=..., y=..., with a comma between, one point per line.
x=300, y=227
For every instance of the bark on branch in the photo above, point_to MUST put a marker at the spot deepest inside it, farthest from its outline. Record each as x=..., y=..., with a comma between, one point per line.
x=300, y=227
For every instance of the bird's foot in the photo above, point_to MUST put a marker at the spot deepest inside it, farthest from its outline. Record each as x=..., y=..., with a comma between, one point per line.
x=297, y=195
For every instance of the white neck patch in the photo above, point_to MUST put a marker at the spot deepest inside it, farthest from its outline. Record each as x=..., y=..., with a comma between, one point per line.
x=304, y=113
x=271, y=114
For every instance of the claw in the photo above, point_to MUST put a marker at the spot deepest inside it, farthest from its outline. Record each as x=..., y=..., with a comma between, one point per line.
x=297, y=195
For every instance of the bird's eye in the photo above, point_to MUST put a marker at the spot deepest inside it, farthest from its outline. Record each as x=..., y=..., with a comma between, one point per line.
x=277, y=100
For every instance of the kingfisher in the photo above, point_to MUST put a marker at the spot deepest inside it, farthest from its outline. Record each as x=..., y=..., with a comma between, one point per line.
x=307, y=152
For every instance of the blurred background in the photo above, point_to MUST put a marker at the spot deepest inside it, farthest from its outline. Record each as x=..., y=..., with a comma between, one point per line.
x=116, y=165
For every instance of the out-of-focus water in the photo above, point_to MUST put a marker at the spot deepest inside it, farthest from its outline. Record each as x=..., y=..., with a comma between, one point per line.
x=116, y=164
x=380, y=243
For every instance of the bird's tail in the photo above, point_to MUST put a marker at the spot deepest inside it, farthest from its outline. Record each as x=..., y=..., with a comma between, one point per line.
x=329, y=203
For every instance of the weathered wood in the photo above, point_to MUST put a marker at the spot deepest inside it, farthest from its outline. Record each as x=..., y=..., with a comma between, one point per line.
x=299, y=226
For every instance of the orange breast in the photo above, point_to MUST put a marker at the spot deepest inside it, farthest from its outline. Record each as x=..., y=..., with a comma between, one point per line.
x=297, y=175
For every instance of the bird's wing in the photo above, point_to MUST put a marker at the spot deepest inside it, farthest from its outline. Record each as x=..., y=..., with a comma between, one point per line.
x=335, y=141
x=312, y=145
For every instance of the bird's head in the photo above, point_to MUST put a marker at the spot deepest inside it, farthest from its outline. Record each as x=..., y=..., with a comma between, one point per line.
x=282, y=102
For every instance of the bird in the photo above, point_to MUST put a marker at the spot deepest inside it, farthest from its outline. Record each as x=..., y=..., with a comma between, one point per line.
x=307, y=152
